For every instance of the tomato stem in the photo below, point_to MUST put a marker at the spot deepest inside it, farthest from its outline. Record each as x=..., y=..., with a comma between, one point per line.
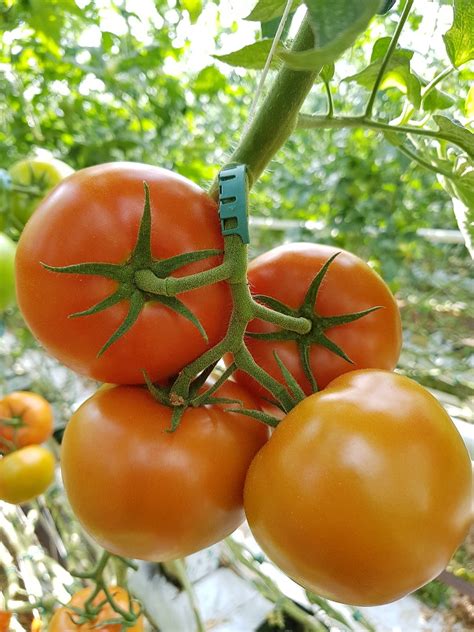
x=276, y=118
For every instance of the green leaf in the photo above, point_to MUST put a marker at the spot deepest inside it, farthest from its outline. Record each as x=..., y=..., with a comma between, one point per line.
x=327, y=72
x=209, y=81
x=253, y=56
x=266, y=10
x=459, y=40
x=456, y=133
x=193, y=7
x=469, y=104
x=437, y=100
x=397, y=75
x=336, y=25
x=270, y=28
x=461, y=189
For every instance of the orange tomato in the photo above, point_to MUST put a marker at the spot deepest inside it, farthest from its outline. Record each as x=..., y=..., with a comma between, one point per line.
x=25, y=418
x=63, y=619
x=350, y=285
x=363, y=492
x=94, y=216
x=153, y=494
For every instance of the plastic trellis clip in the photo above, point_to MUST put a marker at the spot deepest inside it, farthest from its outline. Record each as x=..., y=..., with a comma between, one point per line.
x=233, y=202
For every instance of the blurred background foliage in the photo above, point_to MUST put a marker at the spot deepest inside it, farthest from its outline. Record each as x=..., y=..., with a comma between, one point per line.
x=92, y=81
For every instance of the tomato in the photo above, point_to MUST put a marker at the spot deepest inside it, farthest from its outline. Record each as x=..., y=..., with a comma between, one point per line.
x=5, y=617
x=40, y=173
x=63, y=618
x=363, y=492
x=94, y=215
x=31, y=412
x=25, y=474
x=158, y=495
x=7, y=280
x=350, y=285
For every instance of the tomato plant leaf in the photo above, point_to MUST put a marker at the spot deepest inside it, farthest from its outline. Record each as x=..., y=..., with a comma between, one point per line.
x=193, y=7
x=397, y=74
x=253, y=56
x=336, y=25
x=459, y=40
x=469, y=103
x=456, y=133
x=266, y=10
x=437, y=100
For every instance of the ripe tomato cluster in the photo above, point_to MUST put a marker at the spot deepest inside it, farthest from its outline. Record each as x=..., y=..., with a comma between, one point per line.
x=26, y=467
x=362, y=493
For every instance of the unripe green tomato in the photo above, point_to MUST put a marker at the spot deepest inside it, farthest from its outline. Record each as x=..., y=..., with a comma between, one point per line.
x=7, y=277
x=41, y=174
x=25, y=474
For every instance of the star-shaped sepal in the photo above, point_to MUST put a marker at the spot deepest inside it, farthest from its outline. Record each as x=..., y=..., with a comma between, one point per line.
x=319, y=324
x=125, y=274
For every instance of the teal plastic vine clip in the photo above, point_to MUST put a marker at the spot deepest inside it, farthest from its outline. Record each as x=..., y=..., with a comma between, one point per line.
x=233, y=202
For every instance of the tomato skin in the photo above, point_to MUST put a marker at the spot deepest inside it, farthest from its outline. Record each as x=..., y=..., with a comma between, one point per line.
x=94, y=215
x=25, y=474
x=62, y=622
x=158, y=495
x=7, y=279
x=350, y=285
x=33, y=411
x=363, y=492
x=40, y=173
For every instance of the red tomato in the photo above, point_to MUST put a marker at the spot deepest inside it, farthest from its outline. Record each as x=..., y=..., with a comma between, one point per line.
x=25, y=418
x=350, y=285
x=145, y=493
x=63, y=618
x=363, y=492
x=93, y=216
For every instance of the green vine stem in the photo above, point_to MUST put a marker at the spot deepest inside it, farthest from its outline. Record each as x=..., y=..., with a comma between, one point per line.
x=276, y=118
x=312, y=121
x=243, y=311
x=386, y=59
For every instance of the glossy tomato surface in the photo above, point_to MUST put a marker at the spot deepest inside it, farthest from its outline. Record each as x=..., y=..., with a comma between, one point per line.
x=363, y=492
x=94, y=216
x=25, y=418
x=350, y=285
x=154, y=494
x=63, y=619
x=25, y=474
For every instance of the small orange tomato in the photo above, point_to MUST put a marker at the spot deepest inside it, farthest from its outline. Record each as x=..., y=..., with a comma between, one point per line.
x=5, y=617
x=65, y=619
x=25, y=418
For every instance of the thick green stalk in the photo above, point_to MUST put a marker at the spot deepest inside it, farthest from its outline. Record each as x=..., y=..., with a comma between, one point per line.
x=276, y=118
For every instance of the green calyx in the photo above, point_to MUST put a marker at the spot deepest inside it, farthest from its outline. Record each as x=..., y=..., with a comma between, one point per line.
x=316, y=335
x=143, y=279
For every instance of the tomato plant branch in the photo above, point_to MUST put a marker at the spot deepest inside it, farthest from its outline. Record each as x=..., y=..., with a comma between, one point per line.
x=244, y=310
x=313, y=121
x=386, y=59
x=147, y=281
